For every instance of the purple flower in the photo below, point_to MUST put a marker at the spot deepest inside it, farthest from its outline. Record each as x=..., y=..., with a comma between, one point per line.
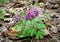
x=16, y=17
x=35, y=10
x=30, y=14
x=27, y=15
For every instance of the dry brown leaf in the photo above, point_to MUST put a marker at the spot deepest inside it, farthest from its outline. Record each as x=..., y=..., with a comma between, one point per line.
x=12, y=32
x=46, y=31
x=47, y=24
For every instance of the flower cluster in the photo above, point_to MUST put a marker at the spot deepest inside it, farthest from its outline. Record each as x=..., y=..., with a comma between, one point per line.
x=31, y=13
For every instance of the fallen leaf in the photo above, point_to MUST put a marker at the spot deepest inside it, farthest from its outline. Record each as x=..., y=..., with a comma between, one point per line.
x=46, y=31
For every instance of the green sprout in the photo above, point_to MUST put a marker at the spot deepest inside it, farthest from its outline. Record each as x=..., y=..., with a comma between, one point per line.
x=12, y=13
x=4, y=1
x=1, y=14
x=22, y=12
x=47, y=16
x=36, y=4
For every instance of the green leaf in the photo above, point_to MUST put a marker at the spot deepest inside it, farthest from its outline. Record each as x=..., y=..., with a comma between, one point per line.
x=2, y=17
x=1, y=11
x=39, y=26
x=16, y=27
x=4, y=1
x=24, y=31
x=22, y=12
x=43, y=26
x=40, y=21
x=36, y=4
x=42, y=32
x=22, y=21
x=39, y=35
x=36, y=20
x=1, y=14
x=47, y=16
x=12, y=13
x=28, y=22
x=20, y=36
x=19, y=25
x=31, y=31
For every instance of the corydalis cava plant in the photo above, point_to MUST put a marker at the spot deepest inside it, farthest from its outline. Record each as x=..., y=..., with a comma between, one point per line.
x=30, y=28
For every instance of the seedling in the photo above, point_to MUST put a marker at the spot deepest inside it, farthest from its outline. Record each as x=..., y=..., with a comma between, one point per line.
x=12, y=13
x=47, y=16
x=36, y=4
x=4, y=1
x=1, y=14
x=22, y=12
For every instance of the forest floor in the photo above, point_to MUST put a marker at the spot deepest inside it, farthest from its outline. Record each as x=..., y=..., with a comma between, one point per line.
x=51, y=8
